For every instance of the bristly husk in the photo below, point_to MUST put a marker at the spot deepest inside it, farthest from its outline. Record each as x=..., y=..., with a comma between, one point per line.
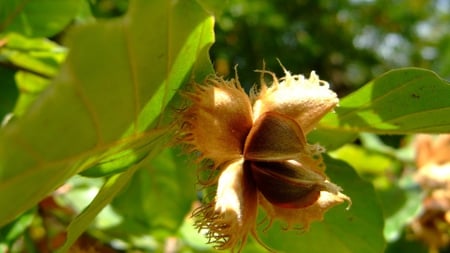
x=305, y=100
x=218, y=120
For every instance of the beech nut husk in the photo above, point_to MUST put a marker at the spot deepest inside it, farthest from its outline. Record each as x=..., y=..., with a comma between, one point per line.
x=258, y=154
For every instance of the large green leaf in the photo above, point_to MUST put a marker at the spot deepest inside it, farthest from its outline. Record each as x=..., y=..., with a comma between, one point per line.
x=359, y=229
x=37, y=18
x=103, y=109
x=401, y=101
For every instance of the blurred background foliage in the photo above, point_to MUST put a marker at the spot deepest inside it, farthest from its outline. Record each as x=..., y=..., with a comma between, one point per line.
x=347, y=43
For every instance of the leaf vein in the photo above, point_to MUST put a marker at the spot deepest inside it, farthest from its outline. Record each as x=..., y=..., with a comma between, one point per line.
x=77, y=85
x=133, y=74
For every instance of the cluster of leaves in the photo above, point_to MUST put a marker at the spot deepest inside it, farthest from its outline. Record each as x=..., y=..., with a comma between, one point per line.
x=95, y=121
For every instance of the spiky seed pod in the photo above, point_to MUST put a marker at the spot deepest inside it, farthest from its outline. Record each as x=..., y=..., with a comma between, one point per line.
x=261, y=154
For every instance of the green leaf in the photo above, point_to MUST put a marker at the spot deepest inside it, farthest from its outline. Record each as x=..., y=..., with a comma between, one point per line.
x=37, y=18
x=359, y=229
x=401, y=101
x=104, y=107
